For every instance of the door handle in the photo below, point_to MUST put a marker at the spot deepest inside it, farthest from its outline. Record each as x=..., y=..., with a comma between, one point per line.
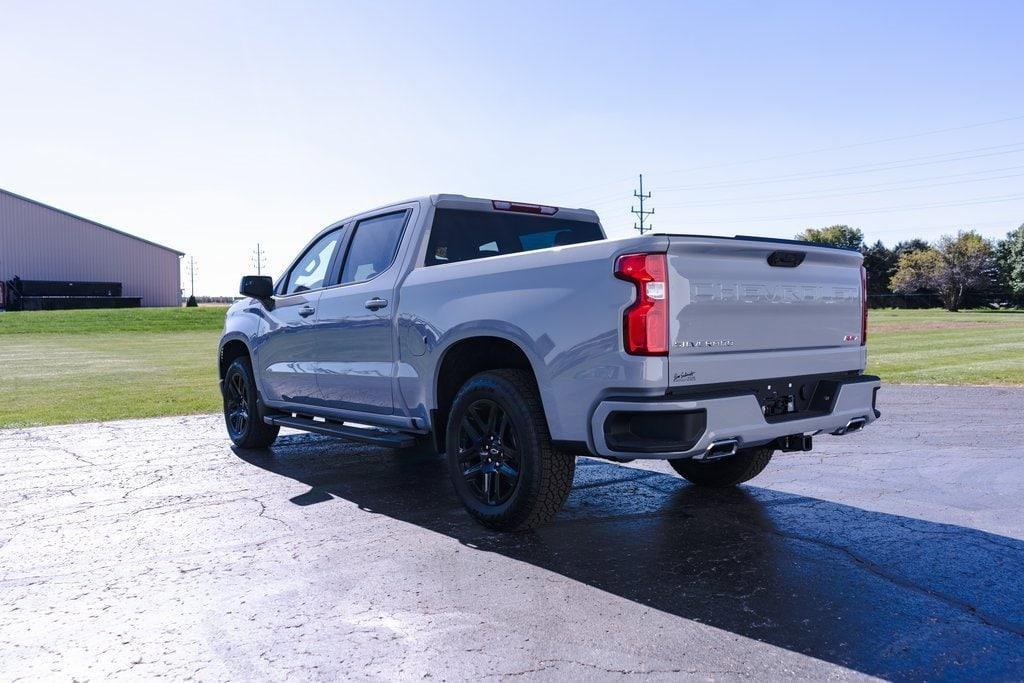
x=376, y=303
x=307, y=311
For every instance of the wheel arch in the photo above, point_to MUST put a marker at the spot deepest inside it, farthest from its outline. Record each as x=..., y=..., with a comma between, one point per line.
x=464, y=358
x=230, y=350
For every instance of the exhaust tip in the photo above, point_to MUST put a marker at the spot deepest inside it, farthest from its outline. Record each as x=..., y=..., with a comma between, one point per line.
x=719, y=449
x=852, y=426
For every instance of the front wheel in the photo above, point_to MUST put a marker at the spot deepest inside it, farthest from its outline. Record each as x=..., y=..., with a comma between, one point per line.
x=241, y=408
x=730, y=471
x=502, y=463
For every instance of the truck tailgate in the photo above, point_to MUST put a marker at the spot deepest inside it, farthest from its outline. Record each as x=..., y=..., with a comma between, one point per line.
x=746, y=309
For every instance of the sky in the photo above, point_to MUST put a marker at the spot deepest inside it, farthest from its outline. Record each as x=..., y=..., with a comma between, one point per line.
x=213, y=126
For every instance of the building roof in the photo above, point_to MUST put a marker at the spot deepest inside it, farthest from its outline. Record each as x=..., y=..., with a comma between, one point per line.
x=91, y=222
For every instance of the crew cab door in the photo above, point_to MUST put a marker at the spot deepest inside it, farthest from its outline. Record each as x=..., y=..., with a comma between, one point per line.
x=285, y=353
x=355, y=318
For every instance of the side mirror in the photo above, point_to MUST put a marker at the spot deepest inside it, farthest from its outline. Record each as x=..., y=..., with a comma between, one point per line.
x=257, y=286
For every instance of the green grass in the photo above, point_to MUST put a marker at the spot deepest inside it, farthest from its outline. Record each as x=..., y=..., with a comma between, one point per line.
x=79, y=366
x=114, y=320
x=938, y=347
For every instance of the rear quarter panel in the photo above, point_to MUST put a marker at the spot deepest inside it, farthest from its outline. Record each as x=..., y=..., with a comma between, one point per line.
x=562, y=306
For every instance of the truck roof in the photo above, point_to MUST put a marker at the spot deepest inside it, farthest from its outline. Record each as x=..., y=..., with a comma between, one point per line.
x=458, y=201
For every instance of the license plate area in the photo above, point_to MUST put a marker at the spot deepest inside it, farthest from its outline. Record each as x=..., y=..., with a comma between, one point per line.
x=781, y=398
x=774, y=404
x=795, y=398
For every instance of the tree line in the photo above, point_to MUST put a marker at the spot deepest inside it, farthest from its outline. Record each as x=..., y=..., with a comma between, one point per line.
x=958, y=271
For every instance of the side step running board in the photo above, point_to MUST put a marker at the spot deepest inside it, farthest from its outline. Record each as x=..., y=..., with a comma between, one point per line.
x=373, y=436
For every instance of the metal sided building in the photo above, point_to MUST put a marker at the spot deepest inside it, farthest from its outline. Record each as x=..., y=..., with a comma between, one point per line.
x=42, y=243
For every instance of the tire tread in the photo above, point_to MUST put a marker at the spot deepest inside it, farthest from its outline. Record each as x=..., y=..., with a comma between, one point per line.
x=259, y=435
x=556, y=469
x=731, y=471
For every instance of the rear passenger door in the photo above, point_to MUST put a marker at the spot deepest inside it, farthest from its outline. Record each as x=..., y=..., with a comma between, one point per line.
x=355, y=318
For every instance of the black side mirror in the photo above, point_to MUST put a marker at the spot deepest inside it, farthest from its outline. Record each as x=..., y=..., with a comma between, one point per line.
x=257, y=286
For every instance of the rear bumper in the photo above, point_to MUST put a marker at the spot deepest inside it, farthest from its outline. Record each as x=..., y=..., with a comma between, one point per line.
x=699, y=422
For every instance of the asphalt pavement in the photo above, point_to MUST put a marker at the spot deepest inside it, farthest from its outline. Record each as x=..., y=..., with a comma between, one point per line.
x=149, y=548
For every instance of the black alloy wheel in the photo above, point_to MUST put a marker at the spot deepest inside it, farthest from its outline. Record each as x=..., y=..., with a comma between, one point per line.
x=503, y=465
x=236, y=404
x=242, y=408
x=489, y=455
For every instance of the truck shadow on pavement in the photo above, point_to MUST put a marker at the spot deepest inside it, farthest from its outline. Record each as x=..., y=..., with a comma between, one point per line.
x=882, y=594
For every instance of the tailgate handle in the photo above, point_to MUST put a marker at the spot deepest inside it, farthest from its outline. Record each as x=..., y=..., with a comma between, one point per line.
x=786, y=259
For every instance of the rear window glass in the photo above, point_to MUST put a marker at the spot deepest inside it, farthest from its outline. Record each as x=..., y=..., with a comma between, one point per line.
x=460, y=235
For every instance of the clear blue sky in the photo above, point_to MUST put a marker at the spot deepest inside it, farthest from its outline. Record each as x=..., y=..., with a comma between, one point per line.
x=211, y=126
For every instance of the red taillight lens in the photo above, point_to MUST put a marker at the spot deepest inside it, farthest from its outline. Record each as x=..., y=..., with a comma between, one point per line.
x=645, y=324
x=863, y=306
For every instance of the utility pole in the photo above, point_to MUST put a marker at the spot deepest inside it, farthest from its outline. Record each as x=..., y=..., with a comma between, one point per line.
x=259, y=259
x=641, y=214
x=192, y=303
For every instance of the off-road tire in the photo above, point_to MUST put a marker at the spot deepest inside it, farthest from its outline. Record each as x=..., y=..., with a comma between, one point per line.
x=545, y=473
x=255, y=433
x=730, y=471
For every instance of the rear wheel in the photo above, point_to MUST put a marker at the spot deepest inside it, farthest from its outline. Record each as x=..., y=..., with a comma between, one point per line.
x=502, y=463
x=730, y=471
x=241, y=412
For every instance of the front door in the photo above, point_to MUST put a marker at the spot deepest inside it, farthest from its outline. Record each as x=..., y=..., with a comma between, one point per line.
x=355, y=319
x=286, y=350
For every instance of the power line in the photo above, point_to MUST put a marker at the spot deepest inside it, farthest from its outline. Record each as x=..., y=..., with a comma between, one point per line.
x=1008, y=223
x=806, y=152
x=191, y=268
x=259, y=259
x=860, y=168
x=597, y=186
x=837, y=192
x=995, y=199
x=853, y=145
x=641, y=214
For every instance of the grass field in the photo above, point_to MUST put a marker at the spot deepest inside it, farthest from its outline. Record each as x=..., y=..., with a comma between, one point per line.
x=937, y=347
x=79, y=366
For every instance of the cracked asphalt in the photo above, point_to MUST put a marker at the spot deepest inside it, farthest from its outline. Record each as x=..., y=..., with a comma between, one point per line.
x=149, y=548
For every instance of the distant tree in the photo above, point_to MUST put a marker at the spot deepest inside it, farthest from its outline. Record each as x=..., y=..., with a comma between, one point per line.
x=1010, y=263
x=952, y=268
x=917, y=270
x=908, y=246
x=879, y=262
x=835, y=236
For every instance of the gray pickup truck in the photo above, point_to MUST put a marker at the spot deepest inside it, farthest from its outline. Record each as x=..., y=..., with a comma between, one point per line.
x=514, y=337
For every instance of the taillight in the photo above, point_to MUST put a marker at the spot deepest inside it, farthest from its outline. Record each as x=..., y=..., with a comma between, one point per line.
x=863, y=306
x=645, y=324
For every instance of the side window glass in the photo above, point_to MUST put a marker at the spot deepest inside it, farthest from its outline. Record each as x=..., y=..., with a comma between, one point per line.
x=311, y=269
x=373, y=247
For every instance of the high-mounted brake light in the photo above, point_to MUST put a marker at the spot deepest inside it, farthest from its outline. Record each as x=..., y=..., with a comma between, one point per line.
x=863, y=306
x=645, y=323
x=519, y=207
